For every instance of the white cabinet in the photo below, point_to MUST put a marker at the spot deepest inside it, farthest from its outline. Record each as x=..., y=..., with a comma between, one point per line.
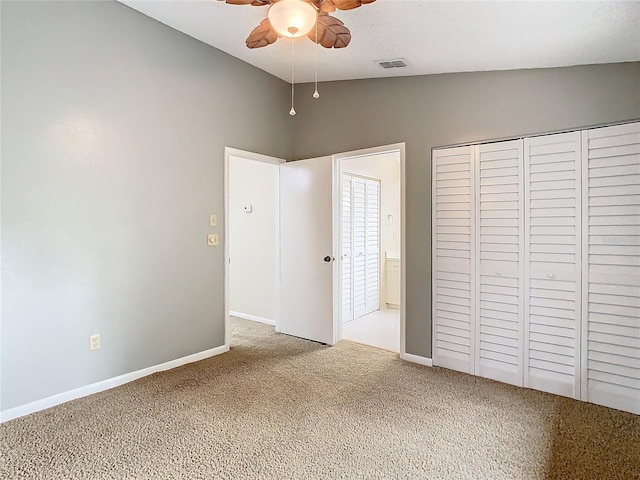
x=536, y=263
x=392, y=268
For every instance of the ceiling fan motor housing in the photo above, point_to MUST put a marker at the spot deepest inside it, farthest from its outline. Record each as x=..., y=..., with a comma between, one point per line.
x=292, y=18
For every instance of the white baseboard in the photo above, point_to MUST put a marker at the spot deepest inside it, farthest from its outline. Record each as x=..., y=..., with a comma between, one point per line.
x=254, y=318
x=63, y=397
x=409, y=357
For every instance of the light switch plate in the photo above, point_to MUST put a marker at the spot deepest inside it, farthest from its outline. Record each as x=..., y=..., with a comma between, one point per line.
x=213, y=221
x=212, y=239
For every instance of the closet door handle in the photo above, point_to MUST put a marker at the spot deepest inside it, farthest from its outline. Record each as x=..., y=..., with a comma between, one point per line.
x=498, y=273
x=552, y=276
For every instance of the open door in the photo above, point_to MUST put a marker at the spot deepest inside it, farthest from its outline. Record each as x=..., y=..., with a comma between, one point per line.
x=306, y=249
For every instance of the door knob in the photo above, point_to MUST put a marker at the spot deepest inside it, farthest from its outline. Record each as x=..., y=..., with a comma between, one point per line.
x=328, y=259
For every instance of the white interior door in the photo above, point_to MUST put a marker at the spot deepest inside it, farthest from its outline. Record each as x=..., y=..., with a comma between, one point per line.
x=611, y=267
x=553, y=295
x=359, y=247
x=372, y=300
x=453, y=251
x=346, y=250
x=306, y=249
x=499, y=331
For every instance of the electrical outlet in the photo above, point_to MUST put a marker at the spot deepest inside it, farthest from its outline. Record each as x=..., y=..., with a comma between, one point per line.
x=212, y=239
x=94, y=342
x=213, y=221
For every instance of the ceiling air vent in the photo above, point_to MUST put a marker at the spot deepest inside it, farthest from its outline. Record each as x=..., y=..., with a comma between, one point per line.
x=396, y=63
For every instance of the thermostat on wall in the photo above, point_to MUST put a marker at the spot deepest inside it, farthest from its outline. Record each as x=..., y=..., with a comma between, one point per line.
x=248, y=208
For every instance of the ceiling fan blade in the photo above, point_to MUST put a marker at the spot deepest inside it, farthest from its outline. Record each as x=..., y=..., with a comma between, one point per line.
x=326, y=6
x=331, y=32
x=262, y=35
x=255, y=3
x=238, y=2
x=349, y=4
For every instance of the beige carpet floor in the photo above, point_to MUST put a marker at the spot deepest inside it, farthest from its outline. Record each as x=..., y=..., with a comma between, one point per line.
x=277, y=407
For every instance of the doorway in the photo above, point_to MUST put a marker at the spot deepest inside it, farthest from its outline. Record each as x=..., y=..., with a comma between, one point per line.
x=252, y=237
x=307, y=283
x=370, y=248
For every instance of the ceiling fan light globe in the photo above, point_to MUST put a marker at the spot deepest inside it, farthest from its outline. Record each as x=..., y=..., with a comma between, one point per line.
x=292, y=18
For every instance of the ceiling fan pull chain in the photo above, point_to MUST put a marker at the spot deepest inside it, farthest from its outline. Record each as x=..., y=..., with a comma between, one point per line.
x=293, y=42
x=316, y=94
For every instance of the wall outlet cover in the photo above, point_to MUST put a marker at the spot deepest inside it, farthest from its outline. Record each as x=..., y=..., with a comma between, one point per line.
x=94, y=342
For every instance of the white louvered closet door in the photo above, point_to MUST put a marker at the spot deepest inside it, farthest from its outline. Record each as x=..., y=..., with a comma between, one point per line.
x=499, y=263
x=372, y=262
x=611, y=267
x=360, y=246
x=553, y=293
x=359, y=220
x=346, y=251
x=452, y=268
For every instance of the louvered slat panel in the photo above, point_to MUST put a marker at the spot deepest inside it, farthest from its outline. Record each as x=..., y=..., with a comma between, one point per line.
x=611, y=267
x=363, y=210
x=498, y=352
x=359, y=246
x=552, y=296
x=452, y=269
x=372, y=301
x=346, y=250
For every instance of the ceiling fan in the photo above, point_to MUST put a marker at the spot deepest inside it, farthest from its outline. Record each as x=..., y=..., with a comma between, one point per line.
x=295, y=18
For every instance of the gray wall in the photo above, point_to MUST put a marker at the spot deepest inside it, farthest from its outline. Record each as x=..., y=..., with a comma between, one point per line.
x=113, y=130
x=113, y=135
x=437, y=110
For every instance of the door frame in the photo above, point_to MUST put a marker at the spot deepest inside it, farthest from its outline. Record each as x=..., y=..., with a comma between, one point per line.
x=337, y=232
x=229, y=152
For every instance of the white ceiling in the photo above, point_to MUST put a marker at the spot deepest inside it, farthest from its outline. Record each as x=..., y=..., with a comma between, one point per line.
x=432, y=36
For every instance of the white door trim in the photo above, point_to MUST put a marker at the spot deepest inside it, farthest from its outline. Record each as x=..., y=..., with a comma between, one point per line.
x=337, y=190
x=228, y=152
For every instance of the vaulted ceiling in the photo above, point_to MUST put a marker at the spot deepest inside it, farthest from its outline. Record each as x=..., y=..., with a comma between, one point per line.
x=431, y=36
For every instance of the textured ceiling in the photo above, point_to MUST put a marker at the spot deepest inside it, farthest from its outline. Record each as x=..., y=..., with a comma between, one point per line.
x=432, y=36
